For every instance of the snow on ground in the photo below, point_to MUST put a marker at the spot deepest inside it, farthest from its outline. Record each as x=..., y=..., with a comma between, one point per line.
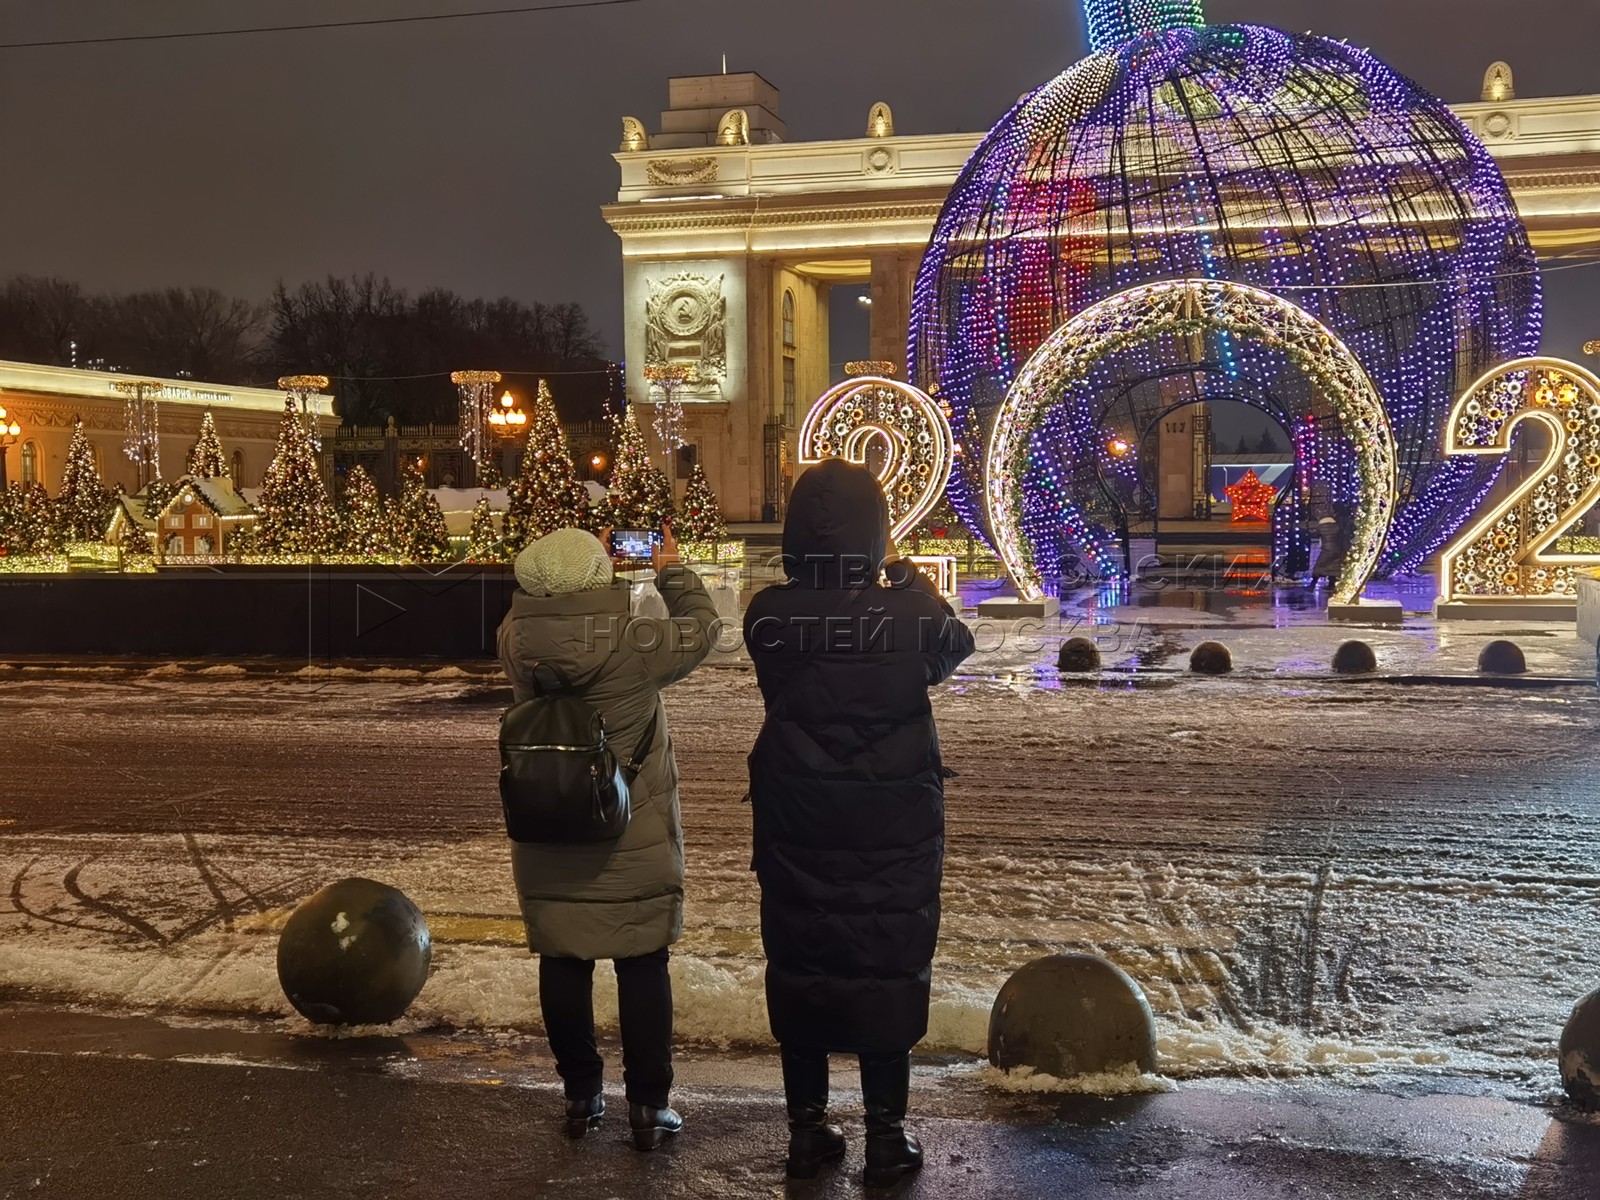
x=1306, y=876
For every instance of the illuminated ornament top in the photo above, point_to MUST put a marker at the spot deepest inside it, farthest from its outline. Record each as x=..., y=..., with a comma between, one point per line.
x=1298, y=165
x=1113, y=22
x=1251, y=499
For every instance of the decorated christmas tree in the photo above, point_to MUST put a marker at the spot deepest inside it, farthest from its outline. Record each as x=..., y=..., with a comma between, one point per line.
x=363, y=524
x=157, y=493
x=135, y=543
x=206, y=459
x=700, y=516
x=417, y=530
x=483, y=539
x=296, y=515
x=639, y=497
x=37, y=529
x=11, y=517
x=83, y=506
x=547, y=495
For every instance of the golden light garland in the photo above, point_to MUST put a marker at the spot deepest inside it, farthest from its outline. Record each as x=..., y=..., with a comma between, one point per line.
x=1191, y=308
x=1504, y=555
x=912, y=426
x=476, y=390
x=871, y=366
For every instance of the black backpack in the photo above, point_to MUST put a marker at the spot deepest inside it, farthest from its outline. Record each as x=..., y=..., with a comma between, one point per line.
x=560, y=782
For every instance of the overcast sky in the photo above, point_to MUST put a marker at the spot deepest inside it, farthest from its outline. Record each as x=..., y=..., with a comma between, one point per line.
x=475, y=154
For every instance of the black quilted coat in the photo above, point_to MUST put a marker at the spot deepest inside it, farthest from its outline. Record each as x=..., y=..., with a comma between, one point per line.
x=846, y=781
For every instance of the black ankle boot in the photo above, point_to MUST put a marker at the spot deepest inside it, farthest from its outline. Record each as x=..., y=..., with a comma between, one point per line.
x=652, y=1126
x=892, y=1153
x=812, y=1141
x=584, y=1115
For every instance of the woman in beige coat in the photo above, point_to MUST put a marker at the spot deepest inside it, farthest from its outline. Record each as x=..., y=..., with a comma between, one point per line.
x=619, y=900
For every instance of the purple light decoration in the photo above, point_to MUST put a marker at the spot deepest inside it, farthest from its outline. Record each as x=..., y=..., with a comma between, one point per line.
x=1299, y=165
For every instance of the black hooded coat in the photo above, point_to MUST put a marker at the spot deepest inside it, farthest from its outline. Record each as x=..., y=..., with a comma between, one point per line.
x=846, y=782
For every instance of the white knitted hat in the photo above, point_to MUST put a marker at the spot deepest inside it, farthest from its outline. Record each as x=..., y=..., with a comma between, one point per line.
x=568, y=560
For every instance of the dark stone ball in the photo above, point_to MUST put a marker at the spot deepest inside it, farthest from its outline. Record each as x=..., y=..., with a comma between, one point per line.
x=355, y=953
x=1079, y=655
x=1355, y=658
x=1579, y=1053
x=1072, y=1015
x=1503, y=658
x=1211, y=658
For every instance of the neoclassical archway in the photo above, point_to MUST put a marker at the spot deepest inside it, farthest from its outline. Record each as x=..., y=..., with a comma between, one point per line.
x=1062, y=366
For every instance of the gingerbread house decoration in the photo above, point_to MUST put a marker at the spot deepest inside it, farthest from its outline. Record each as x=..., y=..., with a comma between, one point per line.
x=130, y=511
x=201, y=517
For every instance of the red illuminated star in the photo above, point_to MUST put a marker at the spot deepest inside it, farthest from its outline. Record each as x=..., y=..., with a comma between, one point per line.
x=1251, y=499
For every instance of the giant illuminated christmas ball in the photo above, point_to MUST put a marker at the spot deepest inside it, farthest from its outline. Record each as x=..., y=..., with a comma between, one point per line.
x=1299, y=165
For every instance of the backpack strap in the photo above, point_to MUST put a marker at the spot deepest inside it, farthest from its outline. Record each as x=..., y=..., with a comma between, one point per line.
x=636, y=764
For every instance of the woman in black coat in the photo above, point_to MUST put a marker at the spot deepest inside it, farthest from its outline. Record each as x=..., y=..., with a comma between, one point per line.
x=847, y=789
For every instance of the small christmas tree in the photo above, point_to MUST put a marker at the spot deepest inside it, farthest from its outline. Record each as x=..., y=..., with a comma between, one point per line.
x=417, y=529
x=157, y=494
x=38, y=531
x=700, y=516
x=11, y=516
x=640, y=497
x=363, y=524
x=660, y=493
x=135, y=542
x=547, y=495
x=206, y=459
x=296, y=516
x=483, y=539
x=83, y=506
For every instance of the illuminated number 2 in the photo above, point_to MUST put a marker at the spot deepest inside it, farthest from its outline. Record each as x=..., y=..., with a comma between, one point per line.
x=1504, y=554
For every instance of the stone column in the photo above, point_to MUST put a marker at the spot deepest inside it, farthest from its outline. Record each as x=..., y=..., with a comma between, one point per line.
x=893, y=278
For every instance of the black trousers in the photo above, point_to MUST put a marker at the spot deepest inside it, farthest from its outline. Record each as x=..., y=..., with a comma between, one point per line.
x=644, y=1002
x=884, y=1078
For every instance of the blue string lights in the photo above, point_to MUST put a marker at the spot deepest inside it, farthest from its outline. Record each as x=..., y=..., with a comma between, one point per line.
x=1294, y=164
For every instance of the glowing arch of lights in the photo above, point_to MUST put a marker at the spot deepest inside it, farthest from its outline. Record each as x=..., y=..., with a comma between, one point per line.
x=1185, y=308
x=1504, y=555
x=921, y=450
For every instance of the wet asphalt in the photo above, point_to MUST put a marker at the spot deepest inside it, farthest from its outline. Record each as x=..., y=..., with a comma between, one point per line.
x=133, y=1107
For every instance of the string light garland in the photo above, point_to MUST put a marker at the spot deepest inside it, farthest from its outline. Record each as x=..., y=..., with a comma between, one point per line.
x=476, y=390
x=1051, y=388
x=1295, y=164
x=1506, y=554
x=1113, y=22
x=912, y=428
x=141, y=422
x=1251, y=499
x=303, y=391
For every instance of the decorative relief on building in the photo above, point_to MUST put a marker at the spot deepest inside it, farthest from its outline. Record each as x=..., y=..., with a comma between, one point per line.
x=734, y=128
x=880, y=121
x=686, y=322
x=634, y=135
x=1499, y=84
x=675, y=172
x=881, y=161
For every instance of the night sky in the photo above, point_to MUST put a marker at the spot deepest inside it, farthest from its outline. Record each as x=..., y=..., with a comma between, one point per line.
x=475, y=154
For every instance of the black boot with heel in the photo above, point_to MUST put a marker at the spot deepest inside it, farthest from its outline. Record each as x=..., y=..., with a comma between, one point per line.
x=812, y=1141
x=584, y=1115
x=652, y=1126
x=892, y=1153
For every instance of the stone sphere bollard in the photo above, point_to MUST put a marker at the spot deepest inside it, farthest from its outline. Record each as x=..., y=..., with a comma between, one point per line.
x=1211, y=658
x=1503, y=658
x=1072, y=1015
x=1355, y=658
x=1079, y=655
x=355, y=953
x=1579, y=1053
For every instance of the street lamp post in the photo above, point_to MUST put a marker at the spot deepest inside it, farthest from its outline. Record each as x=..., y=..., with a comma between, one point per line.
x=10, y=431
x=508, y=423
